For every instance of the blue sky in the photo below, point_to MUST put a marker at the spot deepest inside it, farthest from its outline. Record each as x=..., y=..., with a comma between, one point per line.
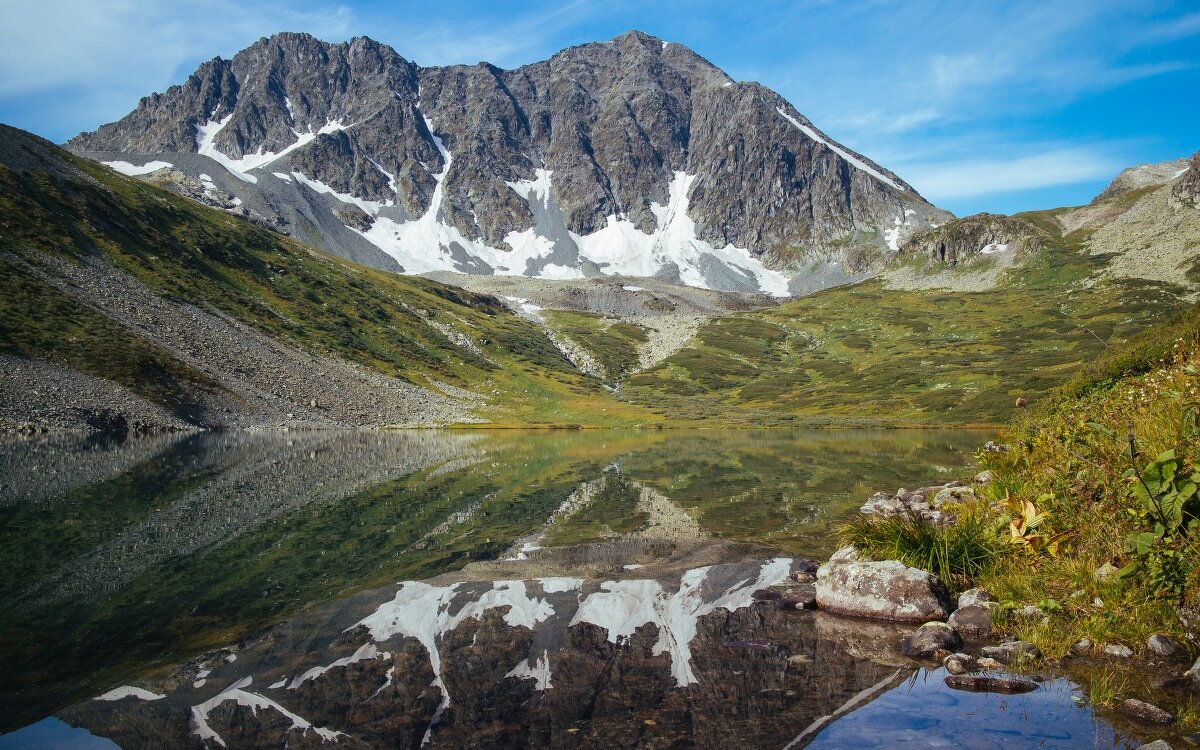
x=983, y=106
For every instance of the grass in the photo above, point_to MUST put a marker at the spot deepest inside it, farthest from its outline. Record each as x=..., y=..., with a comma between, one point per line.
x=613, y=343
x=1070, y=456
x=958, y=554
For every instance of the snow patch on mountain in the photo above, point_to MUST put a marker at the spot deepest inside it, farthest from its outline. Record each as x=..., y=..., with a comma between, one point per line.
x=133, y=170
x=854, y=160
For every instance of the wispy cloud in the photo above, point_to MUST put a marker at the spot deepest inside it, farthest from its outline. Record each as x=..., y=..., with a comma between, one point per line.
x=955, y=180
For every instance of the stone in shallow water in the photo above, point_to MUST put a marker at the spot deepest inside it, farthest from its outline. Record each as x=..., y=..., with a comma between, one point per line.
x=929, y=639
x=803, y=596
x=960, y=663
x=984, y=684
x=887, y=590
x=1142, y=711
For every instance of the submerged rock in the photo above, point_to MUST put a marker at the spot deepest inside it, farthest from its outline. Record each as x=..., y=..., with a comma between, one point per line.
x=803, y=596
x=1144, y=712
x=887, y=590
x=984, y=684
x=926, y=641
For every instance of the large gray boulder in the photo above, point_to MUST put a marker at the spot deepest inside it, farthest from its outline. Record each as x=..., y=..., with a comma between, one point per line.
x=888, y=590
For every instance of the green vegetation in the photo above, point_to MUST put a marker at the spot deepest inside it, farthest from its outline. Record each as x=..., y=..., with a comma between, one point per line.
x=613, y=343
x=870, y=354
x=958, y=553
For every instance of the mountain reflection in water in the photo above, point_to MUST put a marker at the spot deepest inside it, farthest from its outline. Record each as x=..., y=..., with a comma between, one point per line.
x=120, y=558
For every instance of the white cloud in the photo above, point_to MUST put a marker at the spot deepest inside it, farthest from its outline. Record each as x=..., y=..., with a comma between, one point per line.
x=969, y=178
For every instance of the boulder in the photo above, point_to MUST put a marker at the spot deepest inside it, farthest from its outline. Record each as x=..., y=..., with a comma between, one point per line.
x=1011, y=650
x=928, y=640
x=984, y=684
x=888, y=590
x=1164, y=647
x=974, y=621
x=1194, y=673
x=1147, y=713
x=974, y=596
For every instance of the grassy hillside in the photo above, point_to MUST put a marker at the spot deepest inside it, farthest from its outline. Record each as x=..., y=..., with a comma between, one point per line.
x=868, y=353
x=207, y=258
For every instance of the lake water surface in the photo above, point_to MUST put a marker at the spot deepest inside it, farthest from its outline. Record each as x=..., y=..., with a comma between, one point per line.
x=484, y=589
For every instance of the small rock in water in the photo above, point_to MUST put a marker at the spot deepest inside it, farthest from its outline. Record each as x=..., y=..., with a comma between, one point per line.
x=1118, y=651
x=960, y=664
x=986, y=662
x=1156, y=745
x=983, y=684
x=1007, y=652
x=926, y=641
x=972, y=597
x=766, y=595
x=803, y=596
x=1144, y=712
x=974, y=621
x=1164, y=646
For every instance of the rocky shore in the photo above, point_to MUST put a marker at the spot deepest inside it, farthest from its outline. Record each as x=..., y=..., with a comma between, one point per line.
x=964, y=634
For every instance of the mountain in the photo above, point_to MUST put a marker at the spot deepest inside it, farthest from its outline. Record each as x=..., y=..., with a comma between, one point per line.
x=634, y=157
x=124, y=308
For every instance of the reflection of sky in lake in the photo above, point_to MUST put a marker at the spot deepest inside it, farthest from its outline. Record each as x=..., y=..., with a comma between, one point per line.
x=923, y=713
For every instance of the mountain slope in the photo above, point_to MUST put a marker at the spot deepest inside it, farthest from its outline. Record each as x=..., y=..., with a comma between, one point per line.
x=633, y=156
x=178, y=315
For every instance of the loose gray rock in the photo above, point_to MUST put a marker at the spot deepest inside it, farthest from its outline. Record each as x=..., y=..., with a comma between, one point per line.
x=974, y=621
x=928, y=640
x=1117, y=650
x=984, y=477
x=1081, y=647
x=1011, y=650
x=974, y=596
x=887, y=590
x=1164, y=646
x=846, y=554
x=1194, y=673
x=985, y=684
x=1156, y=745
x=960, y=663
x=1146, y=713
x=1104, y=572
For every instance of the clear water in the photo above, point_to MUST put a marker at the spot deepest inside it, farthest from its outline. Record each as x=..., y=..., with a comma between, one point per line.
x=122, y=561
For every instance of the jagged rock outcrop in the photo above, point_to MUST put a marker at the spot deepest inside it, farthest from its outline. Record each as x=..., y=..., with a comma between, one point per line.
x=1185, y=193
x=632, y=156
x=981, y=234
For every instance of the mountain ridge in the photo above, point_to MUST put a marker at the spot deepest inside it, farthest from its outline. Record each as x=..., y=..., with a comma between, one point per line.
x=633, y=156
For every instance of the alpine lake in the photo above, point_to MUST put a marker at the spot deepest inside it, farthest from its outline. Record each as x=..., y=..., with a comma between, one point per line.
x=488, y=589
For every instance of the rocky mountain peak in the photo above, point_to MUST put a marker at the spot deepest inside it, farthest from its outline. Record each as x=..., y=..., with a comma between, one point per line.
x=633, y=156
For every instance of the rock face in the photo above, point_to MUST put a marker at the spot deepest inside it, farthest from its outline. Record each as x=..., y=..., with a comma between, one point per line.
x=881, y=590
x=1142, y=176
x=978, y=236
x=631, y=156
x=1185, y=193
